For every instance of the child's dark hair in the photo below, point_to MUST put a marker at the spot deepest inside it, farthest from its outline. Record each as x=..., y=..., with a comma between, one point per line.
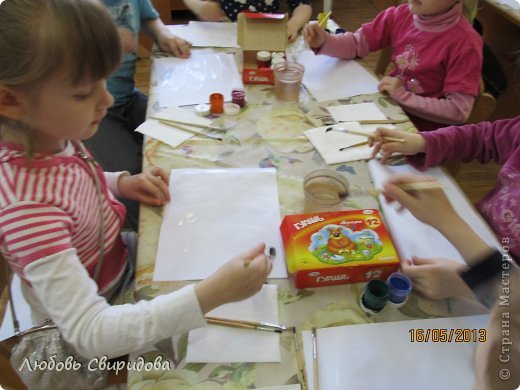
x=41, y=37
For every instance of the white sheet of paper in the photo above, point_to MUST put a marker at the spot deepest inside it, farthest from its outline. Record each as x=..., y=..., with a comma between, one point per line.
x=356, y=112
x=381, y=356
x=221, y=344
x=329, y=143
x=208, y=34
x=167, y=134
x=415, y=238
x=330, y=78
x=190, y=81
x=215, y=215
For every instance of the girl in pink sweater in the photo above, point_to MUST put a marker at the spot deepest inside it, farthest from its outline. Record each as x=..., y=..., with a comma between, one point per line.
x=497, y=141
x=437, y=58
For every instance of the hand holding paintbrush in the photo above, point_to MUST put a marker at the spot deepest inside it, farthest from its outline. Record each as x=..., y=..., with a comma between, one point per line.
x=385, y=141
x=314, y=34
x=423, y=196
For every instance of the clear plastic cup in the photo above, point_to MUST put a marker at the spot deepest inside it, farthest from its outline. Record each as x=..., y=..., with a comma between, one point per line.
x=324, y=190
x=288, y=80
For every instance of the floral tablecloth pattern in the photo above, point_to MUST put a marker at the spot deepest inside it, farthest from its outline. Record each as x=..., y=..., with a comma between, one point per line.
x=267, y=133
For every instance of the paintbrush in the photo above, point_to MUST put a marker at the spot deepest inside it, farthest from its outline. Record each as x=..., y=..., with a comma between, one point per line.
x=180, y=127
x=417, y=186
x=351, y=146
x=374, y=121
x=176, y=122
x=271, y=255
x=243, y=324
x=315, y=360
x=324, y=19
x=361, y=133
x=299, y=362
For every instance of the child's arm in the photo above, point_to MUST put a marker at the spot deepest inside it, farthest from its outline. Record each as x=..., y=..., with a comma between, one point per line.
x=441, y=278
x=484, y=141
x=453, y=108
x=207, y=10
x=61, y=283
x=167, y=41
x=345, y=46
x=301, y=15
x=370, y=37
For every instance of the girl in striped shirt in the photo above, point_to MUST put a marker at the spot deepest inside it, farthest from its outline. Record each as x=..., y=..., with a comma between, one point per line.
x=55, y=200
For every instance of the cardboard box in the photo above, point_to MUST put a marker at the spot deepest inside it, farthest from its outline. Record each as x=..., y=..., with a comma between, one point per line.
x=324, y=249
x=256, y=32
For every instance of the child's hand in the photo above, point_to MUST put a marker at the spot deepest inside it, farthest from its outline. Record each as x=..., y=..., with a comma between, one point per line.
x=414, y=143
x=437, y=278
x=208, y=10
x=238, y=279
x=314, y=35
x=150, y=187
x=389, y=85
x=173, y=44
x=429, y=206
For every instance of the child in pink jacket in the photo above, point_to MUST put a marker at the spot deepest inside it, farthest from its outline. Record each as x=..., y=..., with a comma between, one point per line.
x=498, y=141
x=436, y=53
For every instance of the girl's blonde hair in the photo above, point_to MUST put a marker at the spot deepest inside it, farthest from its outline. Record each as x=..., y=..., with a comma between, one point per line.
x=39, y=38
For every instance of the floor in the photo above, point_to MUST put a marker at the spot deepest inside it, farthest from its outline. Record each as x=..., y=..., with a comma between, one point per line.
x=475, y=179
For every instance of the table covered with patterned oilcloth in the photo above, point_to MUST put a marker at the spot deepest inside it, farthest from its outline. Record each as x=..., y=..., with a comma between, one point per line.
x=268, y=133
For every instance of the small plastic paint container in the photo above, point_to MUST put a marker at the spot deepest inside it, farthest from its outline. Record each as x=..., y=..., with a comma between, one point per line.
x=277, y=54
x=263, y=58
x=238, y=96
x=400, y=287
x=231, y=109
x=216, y=103
x=375, y=296
x=202, y=109
x=276, y=60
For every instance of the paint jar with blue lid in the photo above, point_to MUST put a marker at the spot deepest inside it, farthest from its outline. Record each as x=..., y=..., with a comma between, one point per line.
x=400, y=287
